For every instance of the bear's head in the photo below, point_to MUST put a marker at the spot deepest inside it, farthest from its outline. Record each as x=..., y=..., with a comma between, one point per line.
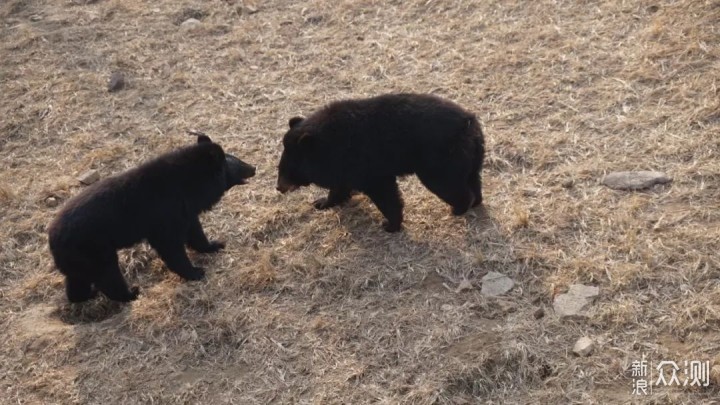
x=236, y=171
x=292, y=172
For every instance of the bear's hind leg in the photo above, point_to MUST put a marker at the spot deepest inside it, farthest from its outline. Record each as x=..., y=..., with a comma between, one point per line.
x=385, y=194
x=336, y=196
x=452, y=189
x=198, y=241
x=112, y=283
x=78, y=289
x=476, y=188
x=172, y=252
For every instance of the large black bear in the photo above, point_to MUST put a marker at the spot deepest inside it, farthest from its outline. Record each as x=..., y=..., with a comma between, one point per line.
x=363, y=145
x=159, y=201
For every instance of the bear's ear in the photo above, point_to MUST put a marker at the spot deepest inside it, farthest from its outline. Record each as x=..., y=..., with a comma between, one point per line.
x=201, y=137
x=216, y=154
x=294, y=121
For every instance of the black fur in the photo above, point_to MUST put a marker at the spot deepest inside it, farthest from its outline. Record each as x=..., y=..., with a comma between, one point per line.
x=363, y=145
x=159, y=201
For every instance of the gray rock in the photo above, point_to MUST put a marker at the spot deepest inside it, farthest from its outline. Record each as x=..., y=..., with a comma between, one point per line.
x=584, y=346
x=89, y=177
x=715, y=374
x=116, y=82
x=190, y=24
x=494, y=284
x=51, y=202
x=586, y=291
x=635, y=180
x=575, y=301
x=569, y=305
x=252, y=9
x=464, y=285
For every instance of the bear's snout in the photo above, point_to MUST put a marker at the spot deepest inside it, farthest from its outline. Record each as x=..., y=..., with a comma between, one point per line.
x=238, y=170
x=250, y=171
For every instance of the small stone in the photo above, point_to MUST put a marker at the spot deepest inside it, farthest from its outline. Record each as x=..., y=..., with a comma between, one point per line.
x=250, y=9
x=315, y=19
x=190, y=24
x=116, y=82
x=584, y=346
x=569, y=305
x=464, y=285
x=715, y=375
x=539, y=313
x=494, y=284
x=89, y=177
x=568, y=183
x=574, y=302
x=635, y=180
x=584, y=290
x=51, y=202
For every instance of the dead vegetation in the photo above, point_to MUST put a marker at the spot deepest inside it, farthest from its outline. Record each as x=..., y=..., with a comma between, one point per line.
x=324, y=307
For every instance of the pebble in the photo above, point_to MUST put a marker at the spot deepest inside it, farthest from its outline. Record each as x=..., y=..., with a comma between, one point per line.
x=584, y=346
x=584, y=290
x=464, y=285
x=575, y=301
x=715, y=375
x=116, y=82
x=494, y=284
x=89, y=177
x=190, y=24
x=635, y=180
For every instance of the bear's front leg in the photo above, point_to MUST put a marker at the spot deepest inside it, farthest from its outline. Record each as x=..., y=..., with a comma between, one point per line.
x=385, y=194
x=78, y=289
x=335, y=197
x=172, y=251
x=198, y=241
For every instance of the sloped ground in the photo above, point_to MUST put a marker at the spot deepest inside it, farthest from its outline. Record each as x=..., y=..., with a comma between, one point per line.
x=325, y=307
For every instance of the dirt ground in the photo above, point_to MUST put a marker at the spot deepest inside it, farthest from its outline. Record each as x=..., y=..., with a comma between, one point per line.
x=325, y=307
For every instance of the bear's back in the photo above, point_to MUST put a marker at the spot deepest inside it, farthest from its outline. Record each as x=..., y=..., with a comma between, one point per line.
x=122, y=209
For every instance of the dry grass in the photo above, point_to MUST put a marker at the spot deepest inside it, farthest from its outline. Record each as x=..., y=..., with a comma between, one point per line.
x=325, y=307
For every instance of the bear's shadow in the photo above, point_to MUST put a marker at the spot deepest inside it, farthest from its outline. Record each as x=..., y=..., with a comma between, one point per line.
x=406, y=260
x=360, y=217
x=96, y=310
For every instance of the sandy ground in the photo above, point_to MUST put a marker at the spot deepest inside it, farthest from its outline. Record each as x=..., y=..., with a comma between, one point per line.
x=325, y=307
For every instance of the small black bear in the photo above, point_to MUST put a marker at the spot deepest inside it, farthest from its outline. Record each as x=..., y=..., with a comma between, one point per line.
x=158, y=201
x=363, y=145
